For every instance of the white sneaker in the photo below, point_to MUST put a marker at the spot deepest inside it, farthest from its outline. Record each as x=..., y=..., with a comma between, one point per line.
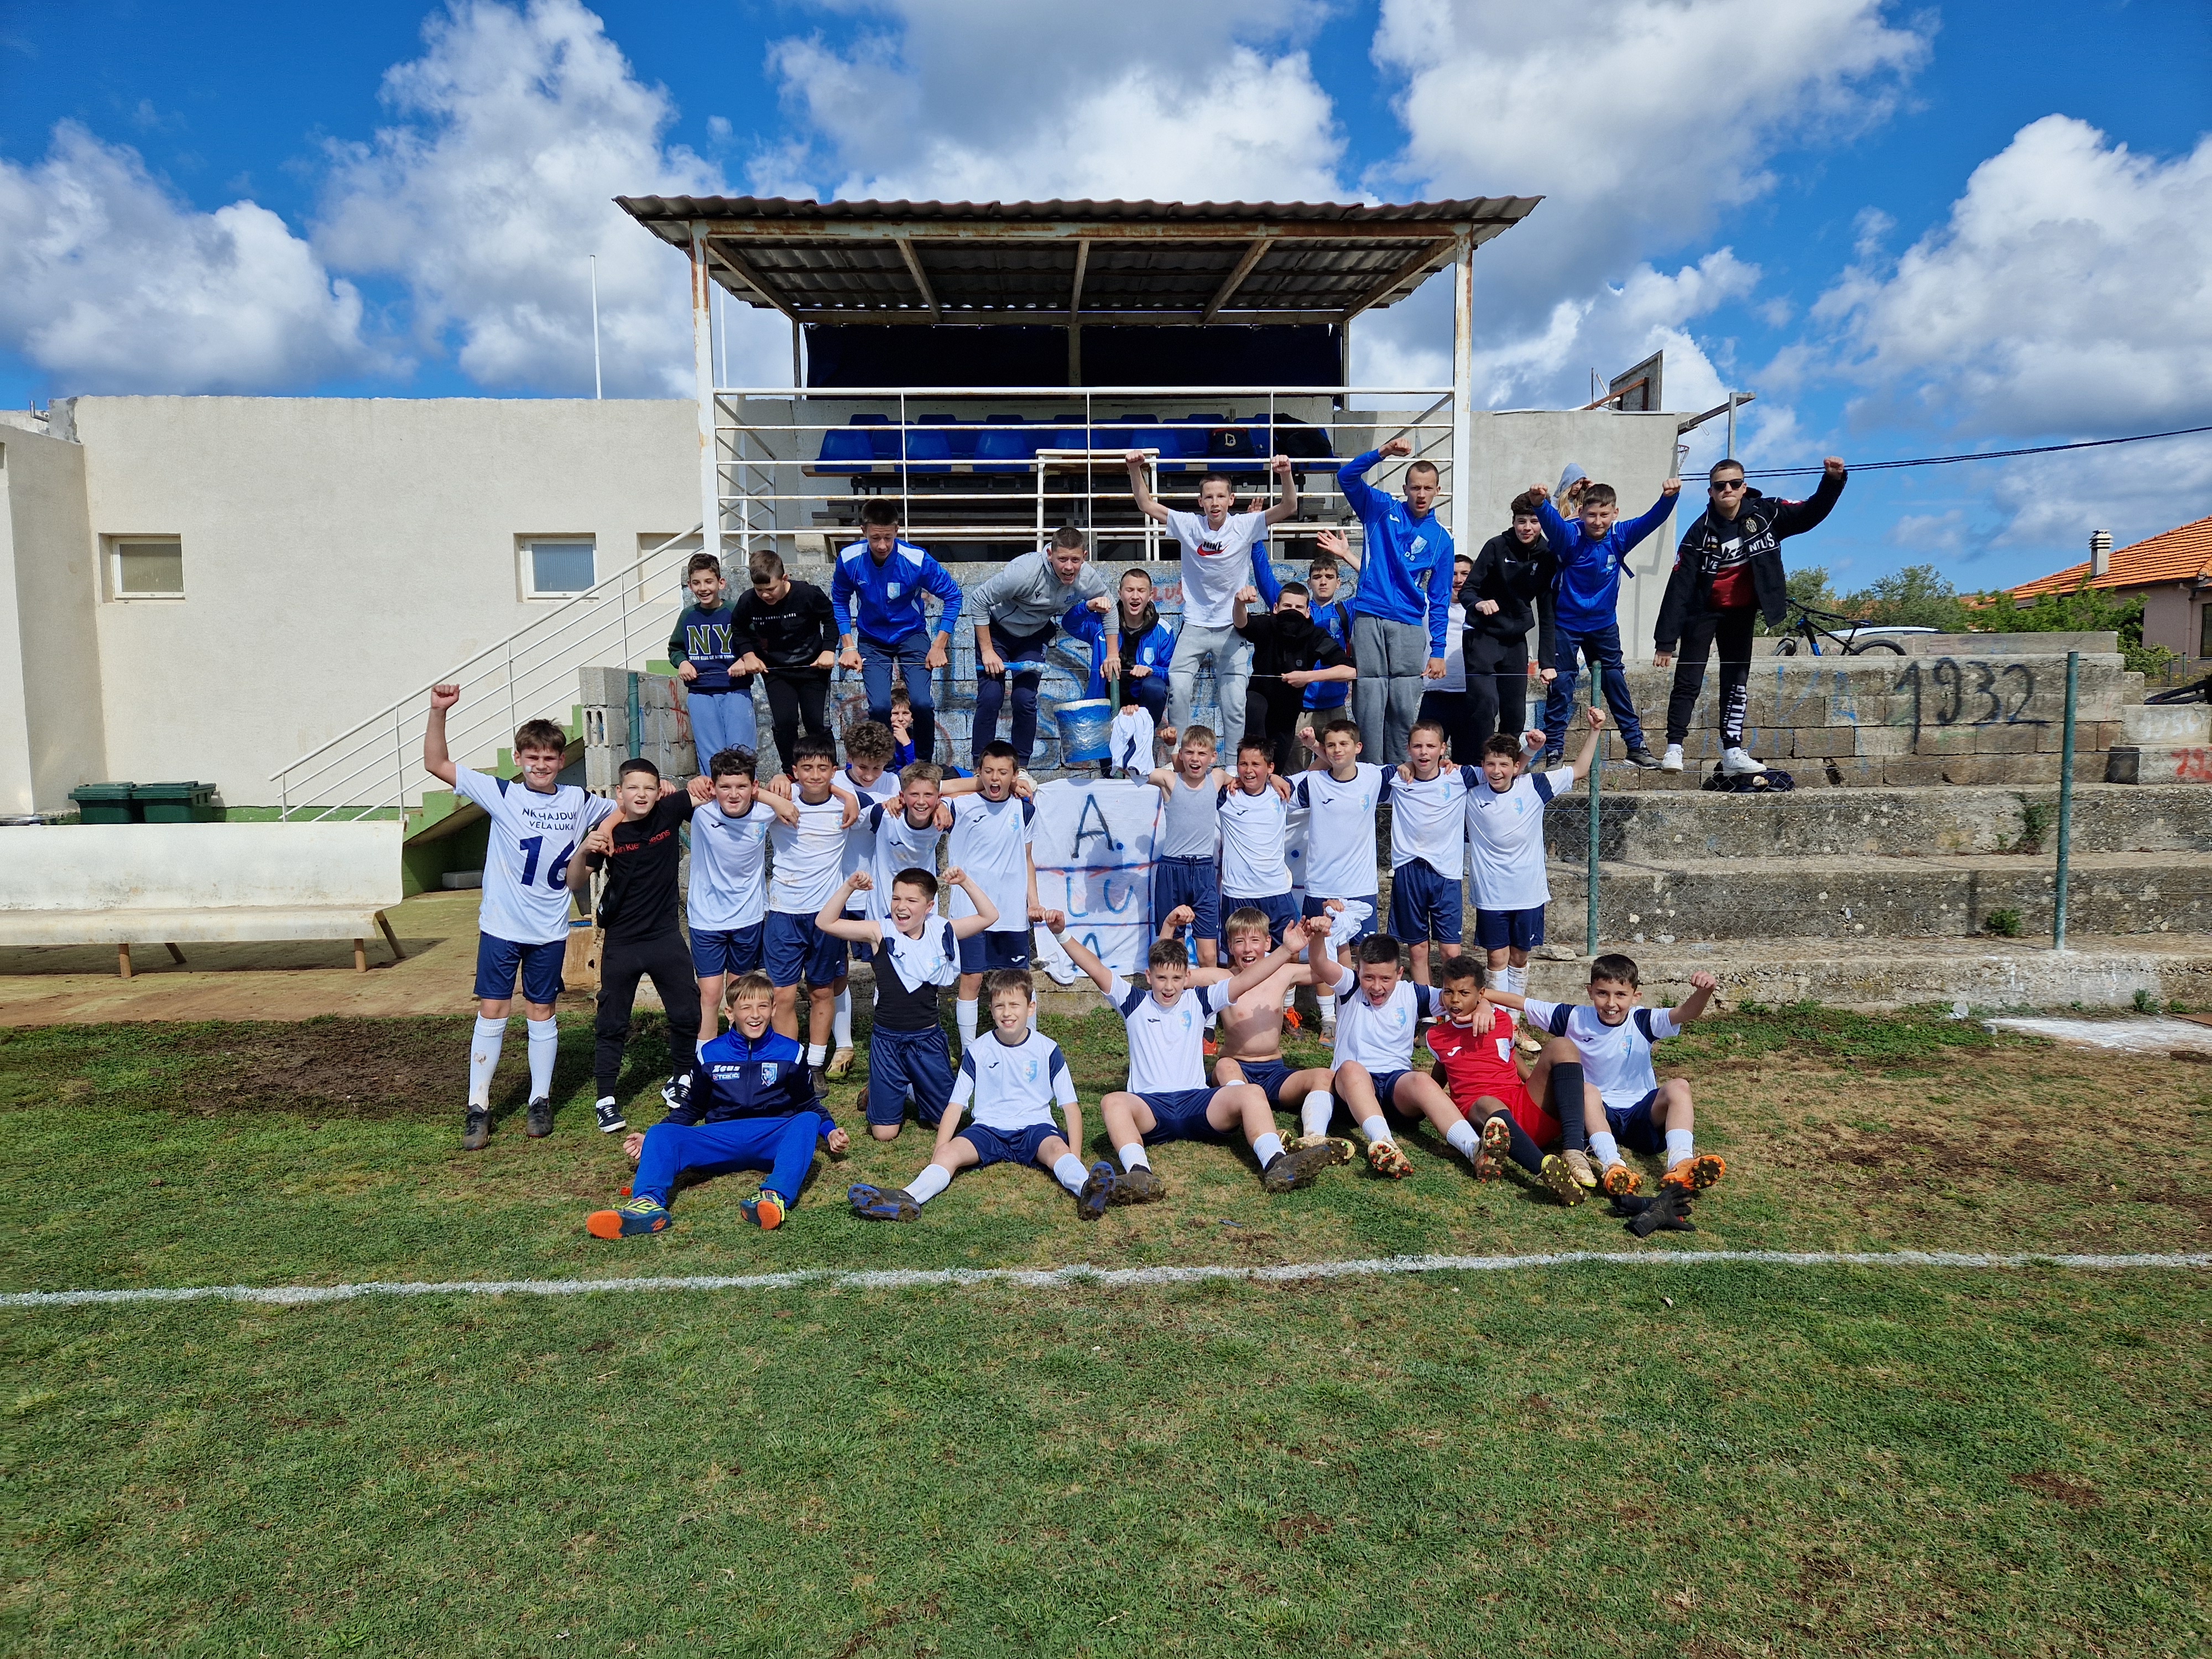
x=1672, y=760
x=1736, y=763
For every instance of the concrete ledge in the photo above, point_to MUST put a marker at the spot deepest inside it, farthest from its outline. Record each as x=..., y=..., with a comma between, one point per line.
x=231, y=925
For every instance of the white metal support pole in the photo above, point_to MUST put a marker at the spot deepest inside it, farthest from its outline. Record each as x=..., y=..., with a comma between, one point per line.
x=1462, y=422
x=599, y=388
x=702, y=372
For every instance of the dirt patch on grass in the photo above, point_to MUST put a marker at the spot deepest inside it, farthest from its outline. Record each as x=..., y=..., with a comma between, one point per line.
x=2044, y=1484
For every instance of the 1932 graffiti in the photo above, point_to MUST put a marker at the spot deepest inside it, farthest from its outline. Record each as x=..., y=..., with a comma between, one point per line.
x=1973, y=692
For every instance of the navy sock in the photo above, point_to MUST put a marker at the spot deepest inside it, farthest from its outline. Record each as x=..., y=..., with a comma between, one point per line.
x=1525, y=1151
x=1566, y=1102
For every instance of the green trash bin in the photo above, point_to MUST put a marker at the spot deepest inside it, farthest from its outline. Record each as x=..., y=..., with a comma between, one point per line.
x=107, y=802
x=177, y=803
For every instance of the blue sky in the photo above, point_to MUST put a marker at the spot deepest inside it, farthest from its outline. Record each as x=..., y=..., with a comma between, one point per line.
x=1909, y=231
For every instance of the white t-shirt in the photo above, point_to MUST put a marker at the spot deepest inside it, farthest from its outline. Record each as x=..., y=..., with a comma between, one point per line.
x=1505, y=839
x=1012, y=1086
x=1616, y=1058
x=1340, y=832
x=1215, y=564
x=859, y=840
x=1428, y=818
x=729, y=868
x=1455, y=678
x=1381, y=1039
x=1253, y=831
x=990, y=840
x=894, y=845
x=1167, y=1046
x=808, y=855
x=533, y=836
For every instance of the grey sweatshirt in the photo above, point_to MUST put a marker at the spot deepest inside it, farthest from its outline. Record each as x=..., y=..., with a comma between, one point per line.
x=1026, y=595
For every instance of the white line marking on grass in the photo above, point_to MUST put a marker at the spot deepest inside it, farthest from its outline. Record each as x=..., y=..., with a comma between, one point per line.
x=909, y=1279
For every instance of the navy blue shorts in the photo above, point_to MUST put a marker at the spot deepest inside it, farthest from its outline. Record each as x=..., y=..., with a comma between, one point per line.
x=989, y=950
x=1006, y=1145
x=1192, y=881
x=497, y=959
x=899, y=1060
x=1319, y=907
x=1271, y=1075
x=1425, y=905
x=1280, y=909
x=1509, y=930
x=1386, y=1089
x=798, y=950
x=1633, y=1126
x=729, y=951
x=1180, y=1114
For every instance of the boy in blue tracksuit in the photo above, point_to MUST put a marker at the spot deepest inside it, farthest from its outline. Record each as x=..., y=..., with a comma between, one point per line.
x=1403, y=602
x=751, y=1107
x=1130, y=648
x=876, y=594
x=1592, y=556
x=720, y=703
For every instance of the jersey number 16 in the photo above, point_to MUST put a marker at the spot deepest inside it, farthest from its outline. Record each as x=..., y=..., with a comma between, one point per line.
x=556, y=873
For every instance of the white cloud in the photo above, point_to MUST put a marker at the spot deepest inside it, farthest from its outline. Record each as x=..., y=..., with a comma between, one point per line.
x=110, y=282
x=1146, y=99
x=2070, y=290
x=516, y=129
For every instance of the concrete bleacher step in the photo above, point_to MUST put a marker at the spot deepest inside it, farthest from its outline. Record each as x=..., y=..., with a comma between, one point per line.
x=1860, y=896
x=2163, y=743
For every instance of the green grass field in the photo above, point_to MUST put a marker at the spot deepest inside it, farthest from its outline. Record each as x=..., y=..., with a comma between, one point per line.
x=1725, y=1460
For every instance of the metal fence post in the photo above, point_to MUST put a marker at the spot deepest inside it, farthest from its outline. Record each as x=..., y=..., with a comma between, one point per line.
x=2065, y=800
x=1597, y=765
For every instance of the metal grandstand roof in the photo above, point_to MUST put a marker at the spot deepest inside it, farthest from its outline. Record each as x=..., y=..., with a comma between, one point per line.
x=1073, y=262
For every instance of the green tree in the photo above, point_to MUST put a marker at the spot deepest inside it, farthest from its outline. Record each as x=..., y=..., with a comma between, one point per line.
x=2084, y=610
x=1918, y=596
x=1808, y=587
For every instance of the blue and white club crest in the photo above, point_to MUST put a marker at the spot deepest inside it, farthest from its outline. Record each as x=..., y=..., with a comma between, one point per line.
x=768, y=1074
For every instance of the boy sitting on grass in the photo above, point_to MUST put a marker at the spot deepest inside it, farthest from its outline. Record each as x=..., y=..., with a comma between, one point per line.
x=1252, y=1026
x=919, y=950
x=1167, y=1097
x=1624, y=1102
x=1474, y=1047
x=1012, y=1078
x=750, y=1107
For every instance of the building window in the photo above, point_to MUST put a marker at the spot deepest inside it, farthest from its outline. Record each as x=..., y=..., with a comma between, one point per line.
x=2204, y=631
x=554, y=567
x=146, y=567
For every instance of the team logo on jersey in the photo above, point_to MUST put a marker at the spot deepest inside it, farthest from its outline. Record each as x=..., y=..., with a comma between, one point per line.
x=768, y=1074
x=892, y=590
x=1029, y=1069
x=1505, y=1047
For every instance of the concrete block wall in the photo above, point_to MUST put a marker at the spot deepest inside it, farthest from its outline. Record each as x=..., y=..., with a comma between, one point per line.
x=606, y=700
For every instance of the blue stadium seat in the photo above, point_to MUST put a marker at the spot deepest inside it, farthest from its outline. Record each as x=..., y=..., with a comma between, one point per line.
x=1005, y=450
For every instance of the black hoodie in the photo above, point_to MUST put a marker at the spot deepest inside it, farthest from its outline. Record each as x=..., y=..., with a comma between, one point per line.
x=1518, y=575
x=1752, y=538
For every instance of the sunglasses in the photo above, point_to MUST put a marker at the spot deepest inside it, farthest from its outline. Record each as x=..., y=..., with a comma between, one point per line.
x=1725, y=484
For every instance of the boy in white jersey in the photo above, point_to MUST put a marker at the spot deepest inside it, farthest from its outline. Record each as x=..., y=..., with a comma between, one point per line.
x=1255, y=832
x=868, y=751
x=991, y=833
x=1624, y=1102
x=807, y=855
x=1377, y=1014
x=1505, y=847
x=1428, y=845
x=725, y=901
x=1186, y=854
x=1008, y=1083
x=537, y=825
x=1340, y=802
x=920, y=950
x=1168, y=1097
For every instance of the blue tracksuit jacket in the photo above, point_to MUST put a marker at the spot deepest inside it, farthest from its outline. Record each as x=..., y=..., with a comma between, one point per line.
x=890, y=593
x=1588, y=588
x=736, y=1076
x=1335, y=619
x=1405, y=567
x=1154, y=651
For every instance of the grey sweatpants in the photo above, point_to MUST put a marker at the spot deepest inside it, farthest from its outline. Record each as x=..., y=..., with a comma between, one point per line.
x=1386, y=698
x=1230, y=652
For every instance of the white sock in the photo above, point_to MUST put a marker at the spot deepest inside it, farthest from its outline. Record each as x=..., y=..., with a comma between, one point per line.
x=484, y=1058
x=1267, y=1148
x=818, y=1055
x=1327, y=1012
x=1463, y=1139
x=1314, y=1116
x=1604, y=1148
x=1514, y=980
x=1680, y=1144
x=934, y=1179
x=1290, y=995
x=544, y=1044
x=1132, y=1156
x=840, y=1023
x=1070, y=1172
x=1375, y=1128
x=966, y=1012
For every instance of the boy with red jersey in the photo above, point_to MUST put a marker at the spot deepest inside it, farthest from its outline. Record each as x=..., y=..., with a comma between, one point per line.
x=1474, y=1048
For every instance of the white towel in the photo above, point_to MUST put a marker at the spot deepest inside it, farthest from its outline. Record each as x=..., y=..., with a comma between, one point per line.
x=1129, y=746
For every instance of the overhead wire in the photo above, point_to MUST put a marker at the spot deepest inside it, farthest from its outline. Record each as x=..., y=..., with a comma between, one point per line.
x=1981, y=455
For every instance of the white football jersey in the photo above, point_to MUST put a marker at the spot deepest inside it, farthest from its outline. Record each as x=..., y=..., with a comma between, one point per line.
x=1012, y=1085
x=859, y=840
x=1340, y=832
x=729, y=868
x=1616, y=1058
x=808, y=856
x=533, y=836
x=1167, y=1046
x=1254, y=831
x=990, y=840
x=1505, y=838
x=1381, y=1038
x=1428, y=818
x=895, y=845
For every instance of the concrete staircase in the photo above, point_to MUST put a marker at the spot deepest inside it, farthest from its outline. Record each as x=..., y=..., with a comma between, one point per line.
x=2163, y=743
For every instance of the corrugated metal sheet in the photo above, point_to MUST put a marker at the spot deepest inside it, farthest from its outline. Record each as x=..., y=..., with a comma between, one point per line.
x=649, y=209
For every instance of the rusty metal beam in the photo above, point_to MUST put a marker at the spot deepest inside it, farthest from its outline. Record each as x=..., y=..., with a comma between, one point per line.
x=1234, y=280
x=920, y=276
x=1428, y=261
x=1075, y=288
x=939, y=230
x=1052, y=319
x=737, y=266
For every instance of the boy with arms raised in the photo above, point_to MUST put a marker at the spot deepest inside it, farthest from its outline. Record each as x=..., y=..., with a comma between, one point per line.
x=991, y=833
x=919, y=950
x=1168, y=1097
x=1624, y=1102
x=1474, y=1047
x=807, y=855
x=1593, y=555
x=1216, y=559
x=750, y=1106
x=1012, y=1079
x=719, y=704
x=536, y=824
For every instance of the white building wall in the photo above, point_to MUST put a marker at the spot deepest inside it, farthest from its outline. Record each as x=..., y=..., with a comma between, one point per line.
x=51, y=721
x=339, y=552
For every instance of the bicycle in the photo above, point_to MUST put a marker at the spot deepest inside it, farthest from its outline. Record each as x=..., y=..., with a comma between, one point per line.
x=1802, y=629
